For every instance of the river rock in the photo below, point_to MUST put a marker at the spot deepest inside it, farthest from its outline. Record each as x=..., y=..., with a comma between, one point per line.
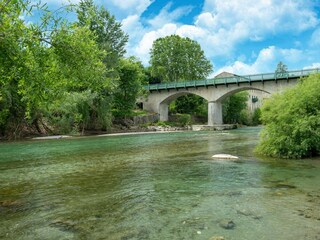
x=249, y=213
x=227, y=224
x=64, y=225
x=225, y=156
x=217, y=238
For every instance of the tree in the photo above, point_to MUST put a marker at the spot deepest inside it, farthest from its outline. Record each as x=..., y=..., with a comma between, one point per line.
x=174, y=58
x=42, y=63
x=191, y=104
x=292, y=121
x=130, y=86
x=281, y=70
x=232, y=107
x=109, y=34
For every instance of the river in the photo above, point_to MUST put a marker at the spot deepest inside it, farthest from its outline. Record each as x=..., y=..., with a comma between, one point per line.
x=156, y=186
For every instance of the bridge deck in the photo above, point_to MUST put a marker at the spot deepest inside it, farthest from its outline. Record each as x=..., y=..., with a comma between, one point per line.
x=232, y=80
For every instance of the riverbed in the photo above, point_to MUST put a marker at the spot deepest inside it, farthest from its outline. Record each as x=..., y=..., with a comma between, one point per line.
x=156, y=186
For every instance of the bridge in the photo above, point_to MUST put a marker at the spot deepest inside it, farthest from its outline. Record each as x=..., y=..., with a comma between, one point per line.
x=217, y=89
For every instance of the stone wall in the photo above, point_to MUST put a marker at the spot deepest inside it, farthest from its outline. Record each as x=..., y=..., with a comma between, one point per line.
x=151, y=118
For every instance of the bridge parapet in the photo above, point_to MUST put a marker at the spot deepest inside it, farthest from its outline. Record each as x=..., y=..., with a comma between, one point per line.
x=232, y=80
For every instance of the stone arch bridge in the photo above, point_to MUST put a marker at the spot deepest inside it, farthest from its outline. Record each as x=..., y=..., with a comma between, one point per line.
x=217, y=89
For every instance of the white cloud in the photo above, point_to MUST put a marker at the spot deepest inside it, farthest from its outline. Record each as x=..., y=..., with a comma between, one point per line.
x=132, y=6
x=61, y=2
x=313, y=65
x=143, y=49
x=191, y=32
x=266, y=61
x=205, y=20
x=165, y=16
x=223, y=25
x=232, y=22
x=315, y=38
x=132, y=26
x=261, y=16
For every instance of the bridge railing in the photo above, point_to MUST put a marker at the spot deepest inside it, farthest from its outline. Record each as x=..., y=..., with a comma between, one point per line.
x=232, y=79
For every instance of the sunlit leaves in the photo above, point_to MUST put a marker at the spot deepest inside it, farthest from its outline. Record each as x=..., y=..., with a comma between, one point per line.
x=293, y=121
x=39, y=67
x=174, y=58
x=129, y=85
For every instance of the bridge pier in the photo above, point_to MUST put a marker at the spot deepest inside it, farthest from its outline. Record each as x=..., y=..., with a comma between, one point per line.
x=214, y=113
x=164, y=112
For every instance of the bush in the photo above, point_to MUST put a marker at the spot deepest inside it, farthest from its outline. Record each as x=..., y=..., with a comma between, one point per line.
x=256, y=117
x=232, y=107
x=183, y=119
x=292, y=121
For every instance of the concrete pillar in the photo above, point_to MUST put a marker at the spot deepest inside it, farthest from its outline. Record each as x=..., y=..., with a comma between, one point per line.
x=214, y=113
x=164, y=112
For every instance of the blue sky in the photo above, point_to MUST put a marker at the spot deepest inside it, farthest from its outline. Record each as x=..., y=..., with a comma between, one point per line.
x=238, y=36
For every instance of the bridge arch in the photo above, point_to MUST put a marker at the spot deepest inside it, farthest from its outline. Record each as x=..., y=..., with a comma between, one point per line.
x=164, y=104
x=240, y=89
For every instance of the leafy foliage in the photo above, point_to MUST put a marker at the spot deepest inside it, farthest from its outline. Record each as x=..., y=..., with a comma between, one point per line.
x=174, y=58
x=233, y=106
x=130, y=86
x=109, y=35
x=281, y=70
x=292, y=121
x=46, y=64
x=256, y=117
x=190, y=104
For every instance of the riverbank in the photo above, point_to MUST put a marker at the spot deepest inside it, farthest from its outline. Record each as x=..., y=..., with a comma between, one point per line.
x=134, y=130
x=121, y=132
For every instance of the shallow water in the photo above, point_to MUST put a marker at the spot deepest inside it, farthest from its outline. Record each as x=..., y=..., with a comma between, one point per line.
x=155, y=186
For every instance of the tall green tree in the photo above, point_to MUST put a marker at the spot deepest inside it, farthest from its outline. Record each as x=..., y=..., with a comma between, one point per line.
x=109, y=34
x=40, y=64
x=174, y=58
x=281, y=70
x=292, y=121
x=130, y=86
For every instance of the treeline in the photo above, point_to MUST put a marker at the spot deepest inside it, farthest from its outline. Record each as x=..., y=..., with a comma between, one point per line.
x=59, y=77
x=62, y=77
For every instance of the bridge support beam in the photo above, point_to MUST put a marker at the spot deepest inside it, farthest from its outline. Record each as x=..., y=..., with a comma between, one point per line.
x=164, y=112
x=214, y=113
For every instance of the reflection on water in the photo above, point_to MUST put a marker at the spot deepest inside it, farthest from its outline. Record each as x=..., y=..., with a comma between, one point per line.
x=155, y=186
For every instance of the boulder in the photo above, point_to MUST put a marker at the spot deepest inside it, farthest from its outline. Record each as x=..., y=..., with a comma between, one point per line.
x=225, y=156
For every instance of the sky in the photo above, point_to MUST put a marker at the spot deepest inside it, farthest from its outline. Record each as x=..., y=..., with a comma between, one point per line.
x=238, y=36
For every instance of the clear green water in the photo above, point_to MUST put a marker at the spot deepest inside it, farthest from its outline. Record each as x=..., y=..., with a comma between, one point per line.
x=155, y=186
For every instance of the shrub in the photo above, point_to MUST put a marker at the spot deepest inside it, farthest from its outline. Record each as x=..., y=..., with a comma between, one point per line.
x=183, y=119
x=292, y=121
x=256, y=117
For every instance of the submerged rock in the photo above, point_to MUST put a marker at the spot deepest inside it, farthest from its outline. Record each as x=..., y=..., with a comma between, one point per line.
x=217, y=238
x=227, y=224
x=249, y=213
x=64, y=225
x=225, y=156
x=280, y=185
x=13, y=205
